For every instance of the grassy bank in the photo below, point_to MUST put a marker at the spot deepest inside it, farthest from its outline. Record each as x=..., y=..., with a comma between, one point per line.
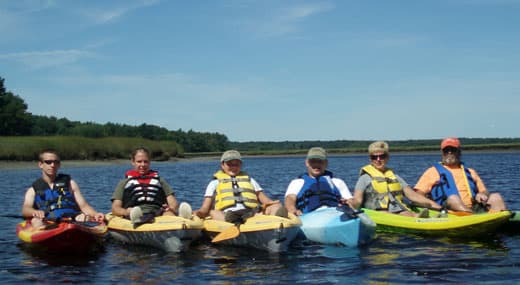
x=80, y=148
x=433, y=147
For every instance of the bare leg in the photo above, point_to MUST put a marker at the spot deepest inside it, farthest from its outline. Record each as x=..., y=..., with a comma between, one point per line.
x=217, y=215
x=455, y=204
x=496, y=203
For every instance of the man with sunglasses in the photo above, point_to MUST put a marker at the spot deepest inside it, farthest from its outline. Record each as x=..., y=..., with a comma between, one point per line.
x=55, y=196
x=379, y=188
x=459, y=188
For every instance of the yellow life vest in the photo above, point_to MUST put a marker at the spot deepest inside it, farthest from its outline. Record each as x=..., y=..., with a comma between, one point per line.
x=386, y=186
x=233, y=190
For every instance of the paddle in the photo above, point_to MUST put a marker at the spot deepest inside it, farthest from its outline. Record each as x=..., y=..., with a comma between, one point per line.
x=348, y=212
x=237, y=217
x=229, y=233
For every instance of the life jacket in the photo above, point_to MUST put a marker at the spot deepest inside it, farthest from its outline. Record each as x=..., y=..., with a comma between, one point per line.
x=385, y=193
x=143, y=189
x=232, y=190
x=446, y=185
x=317, y=192
x=57, y=202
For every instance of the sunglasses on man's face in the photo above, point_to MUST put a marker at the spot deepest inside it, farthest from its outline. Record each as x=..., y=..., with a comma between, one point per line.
x=49, y=162
x=449, y=149
x=378, y=156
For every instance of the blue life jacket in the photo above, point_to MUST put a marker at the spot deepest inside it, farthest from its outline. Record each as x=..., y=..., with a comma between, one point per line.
x=317, y=192
x=446, y=186
x=57, y=202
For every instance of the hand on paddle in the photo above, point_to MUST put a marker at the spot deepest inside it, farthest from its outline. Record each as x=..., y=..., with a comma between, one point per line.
x=350, y=202
x=38, y=214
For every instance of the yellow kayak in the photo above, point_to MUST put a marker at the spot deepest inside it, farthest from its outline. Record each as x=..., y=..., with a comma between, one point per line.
x=169, y=233
x=448, y=225
x=264, y=232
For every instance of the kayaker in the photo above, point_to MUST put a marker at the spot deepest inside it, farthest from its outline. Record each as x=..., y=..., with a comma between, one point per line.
x=55, y=196
x=379, y=188
x=317, y=187
x=458, y=187
x=233, y=196
x=143, y=194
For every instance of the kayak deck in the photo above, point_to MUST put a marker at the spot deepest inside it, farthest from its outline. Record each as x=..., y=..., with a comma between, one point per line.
x=328, y=225
x=169, y=233
x=68, y=237
x=264, y=232
x=448, y=225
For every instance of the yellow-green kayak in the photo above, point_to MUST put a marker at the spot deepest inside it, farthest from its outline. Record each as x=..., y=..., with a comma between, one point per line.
x=448, y=225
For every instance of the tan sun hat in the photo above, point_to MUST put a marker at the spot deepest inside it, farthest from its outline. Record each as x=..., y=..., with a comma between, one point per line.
x=317, y=153
x=230, y=155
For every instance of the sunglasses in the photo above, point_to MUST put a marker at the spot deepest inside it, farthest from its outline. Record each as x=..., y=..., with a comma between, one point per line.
x=449, y=149
x=379, y=156
x=49, y=162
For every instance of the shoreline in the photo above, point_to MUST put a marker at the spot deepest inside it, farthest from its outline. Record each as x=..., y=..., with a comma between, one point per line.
x=14, y=165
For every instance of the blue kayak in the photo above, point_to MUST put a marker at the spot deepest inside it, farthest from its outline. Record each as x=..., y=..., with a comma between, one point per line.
x=334, y=226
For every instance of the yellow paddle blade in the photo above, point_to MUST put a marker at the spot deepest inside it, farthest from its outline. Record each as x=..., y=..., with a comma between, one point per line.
x=229, y=233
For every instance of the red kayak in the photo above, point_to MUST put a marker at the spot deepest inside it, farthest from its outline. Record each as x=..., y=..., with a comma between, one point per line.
x=69, y=236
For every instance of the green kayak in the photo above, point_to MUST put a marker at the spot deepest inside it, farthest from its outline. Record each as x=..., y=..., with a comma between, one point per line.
x=450, y=224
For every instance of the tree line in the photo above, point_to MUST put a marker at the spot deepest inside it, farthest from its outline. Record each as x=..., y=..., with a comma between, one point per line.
x=15, y=120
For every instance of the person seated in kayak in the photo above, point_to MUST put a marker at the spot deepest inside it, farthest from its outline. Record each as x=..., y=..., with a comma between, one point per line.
x=55, y=196
x=143, y=194
x=317, y=187
x=456, y=186
x=379, y=188
x=233, y=196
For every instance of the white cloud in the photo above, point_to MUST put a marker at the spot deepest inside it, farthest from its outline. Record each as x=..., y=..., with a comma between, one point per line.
x=44, y=59
x=287, y=20
x=105, y=15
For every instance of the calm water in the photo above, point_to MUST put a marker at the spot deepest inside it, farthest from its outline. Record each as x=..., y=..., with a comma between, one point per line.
x=389, y=259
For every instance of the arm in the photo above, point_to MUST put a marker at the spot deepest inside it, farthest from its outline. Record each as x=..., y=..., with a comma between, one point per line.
x=205, y=208
x=420, y=199
x=82, y=203
x=262, y=198
x=27, y=208
x=290, y=204
x=173, y=206
x=118, y=210
x=346, y=196
x=362, y=184
x=483, y=194
x=358, y=199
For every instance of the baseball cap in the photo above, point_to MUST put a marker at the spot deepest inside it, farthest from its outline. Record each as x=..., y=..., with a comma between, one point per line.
x=454, y=142
x=230, y=155
x=317, y=153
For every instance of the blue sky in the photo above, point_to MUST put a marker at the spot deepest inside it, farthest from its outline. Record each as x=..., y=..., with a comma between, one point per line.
x=271, y=70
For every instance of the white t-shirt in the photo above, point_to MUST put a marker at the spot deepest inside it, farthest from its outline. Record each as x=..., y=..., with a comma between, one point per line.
x=296, y=186
x=212, y=187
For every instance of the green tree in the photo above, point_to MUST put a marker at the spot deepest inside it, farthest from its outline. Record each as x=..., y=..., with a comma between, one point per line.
x=14, y=118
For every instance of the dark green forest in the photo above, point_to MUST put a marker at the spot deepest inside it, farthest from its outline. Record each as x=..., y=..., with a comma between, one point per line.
x=15, y=120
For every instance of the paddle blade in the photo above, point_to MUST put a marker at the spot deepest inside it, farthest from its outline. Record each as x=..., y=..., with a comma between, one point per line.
x=229, y=233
